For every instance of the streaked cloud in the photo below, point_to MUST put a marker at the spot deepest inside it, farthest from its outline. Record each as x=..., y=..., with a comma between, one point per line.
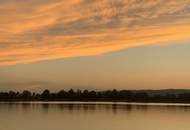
x=33, y=30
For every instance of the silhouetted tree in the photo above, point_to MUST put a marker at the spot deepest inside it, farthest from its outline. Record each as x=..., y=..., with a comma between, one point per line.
x=86, y=95
x=45, y=95
x=61, y=95
x=26, y=95
x=71, y=94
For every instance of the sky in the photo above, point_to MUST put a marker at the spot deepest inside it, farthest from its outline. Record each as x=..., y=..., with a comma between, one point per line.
x=94, y=44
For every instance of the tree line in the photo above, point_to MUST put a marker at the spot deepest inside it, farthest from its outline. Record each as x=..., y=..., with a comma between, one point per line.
x=86, y=95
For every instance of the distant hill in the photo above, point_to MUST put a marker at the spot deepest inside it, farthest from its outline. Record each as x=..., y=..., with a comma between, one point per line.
x=164, y=92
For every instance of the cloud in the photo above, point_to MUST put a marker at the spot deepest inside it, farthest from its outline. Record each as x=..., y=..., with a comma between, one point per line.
x=32, y=30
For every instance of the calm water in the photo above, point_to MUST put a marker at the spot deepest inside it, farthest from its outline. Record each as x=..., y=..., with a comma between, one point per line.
x=93, y=116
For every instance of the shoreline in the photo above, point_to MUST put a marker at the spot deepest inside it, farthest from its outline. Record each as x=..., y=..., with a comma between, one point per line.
x=98, y=103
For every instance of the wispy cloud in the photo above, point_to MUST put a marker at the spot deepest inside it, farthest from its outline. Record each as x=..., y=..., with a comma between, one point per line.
x=33, y=30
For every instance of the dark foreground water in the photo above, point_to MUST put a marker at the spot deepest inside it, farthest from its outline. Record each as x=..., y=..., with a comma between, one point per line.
x=93, y=116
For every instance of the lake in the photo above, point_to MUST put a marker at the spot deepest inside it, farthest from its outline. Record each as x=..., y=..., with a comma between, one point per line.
x=93, y=116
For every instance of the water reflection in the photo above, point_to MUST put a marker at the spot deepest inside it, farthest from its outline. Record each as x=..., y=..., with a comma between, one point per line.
x=88, y=107
x=93, y=116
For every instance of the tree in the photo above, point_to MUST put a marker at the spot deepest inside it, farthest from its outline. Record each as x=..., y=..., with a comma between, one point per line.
x=45, y=95
x=26, y=95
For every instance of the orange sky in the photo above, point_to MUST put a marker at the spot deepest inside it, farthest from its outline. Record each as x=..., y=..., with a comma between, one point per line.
x=35, y=30
x=130, y=44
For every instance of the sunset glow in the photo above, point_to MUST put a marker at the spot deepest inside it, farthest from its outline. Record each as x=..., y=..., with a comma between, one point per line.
x=35, y=30
x=135, y=44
